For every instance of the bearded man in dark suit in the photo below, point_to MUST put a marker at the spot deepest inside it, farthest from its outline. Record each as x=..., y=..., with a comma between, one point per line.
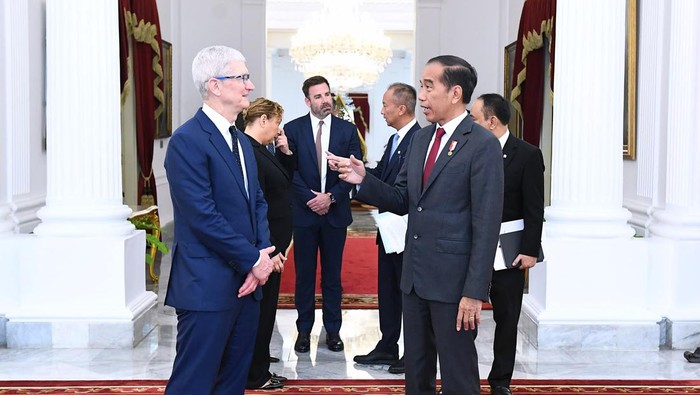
x=321, y=210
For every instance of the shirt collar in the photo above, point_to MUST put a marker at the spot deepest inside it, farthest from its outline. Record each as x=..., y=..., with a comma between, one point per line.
x=221, y=123
x=315, y=121
x=402, y=132
x=451, y=126
x=503, y=139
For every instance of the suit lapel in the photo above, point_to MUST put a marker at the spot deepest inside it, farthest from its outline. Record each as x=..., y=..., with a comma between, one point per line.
x=217, y=140
x=396, y=161
x=271, y=157
x=510, y=149
x=385, y=159
x=453, y=145
x=308, y=142
x=420, y=149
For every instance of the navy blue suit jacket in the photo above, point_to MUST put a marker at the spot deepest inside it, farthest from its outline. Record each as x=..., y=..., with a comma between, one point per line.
x=343, y=142
x=219, y=229
x=386, y=169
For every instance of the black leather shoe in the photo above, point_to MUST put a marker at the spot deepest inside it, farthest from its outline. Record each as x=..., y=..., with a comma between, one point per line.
x=274, y=359
x=398, y=367
x=271, y=384
x=303, y=343
x=500, y=390
x=334, y=342
x=279, y=378
x=376, y=358
x=693, y=357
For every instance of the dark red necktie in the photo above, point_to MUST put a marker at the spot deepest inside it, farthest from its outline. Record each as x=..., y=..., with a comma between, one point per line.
x=432, y=155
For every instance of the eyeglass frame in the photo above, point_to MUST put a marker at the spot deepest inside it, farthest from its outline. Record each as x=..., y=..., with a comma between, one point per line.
x=243, y=77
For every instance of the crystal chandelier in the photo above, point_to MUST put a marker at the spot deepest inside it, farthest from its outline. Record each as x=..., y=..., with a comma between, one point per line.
x=341, y=44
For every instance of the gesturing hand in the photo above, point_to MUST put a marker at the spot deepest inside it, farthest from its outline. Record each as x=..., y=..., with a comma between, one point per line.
x=352, y=170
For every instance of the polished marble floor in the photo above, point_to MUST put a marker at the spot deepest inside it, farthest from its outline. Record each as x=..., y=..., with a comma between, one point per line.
x=152, y=358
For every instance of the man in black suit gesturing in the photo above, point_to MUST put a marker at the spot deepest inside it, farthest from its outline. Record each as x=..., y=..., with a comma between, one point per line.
x=523, y=199
x=398, y=109
x=451, y=187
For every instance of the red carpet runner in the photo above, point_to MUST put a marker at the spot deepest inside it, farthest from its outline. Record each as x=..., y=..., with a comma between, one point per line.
x=374, y=387
x=359, y=276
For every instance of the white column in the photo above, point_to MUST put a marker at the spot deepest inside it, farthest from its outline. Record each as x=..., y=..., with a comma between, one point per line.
x=680, y=219
x=84, y=194
x=14, y=138
x=675, y=228
x=578, y=299
x=82, y=278
x=588, y=122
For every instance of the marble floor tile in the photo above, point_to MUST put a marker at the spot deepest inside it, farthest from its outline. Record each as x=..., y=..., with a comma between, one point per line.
x=152, y=358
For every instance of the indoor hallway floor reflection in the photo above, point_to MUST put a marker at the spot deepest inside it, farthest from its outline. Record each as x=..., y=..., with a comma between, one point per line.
x=152, y=358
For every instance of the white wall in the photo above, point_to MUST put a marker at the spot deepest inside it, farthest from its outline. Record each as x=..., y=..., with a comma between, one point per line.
x=477, y=38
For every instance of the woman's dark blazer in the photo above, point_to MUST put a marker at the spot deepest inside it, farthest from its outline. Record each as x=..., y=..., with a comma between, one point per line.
x=275, y=176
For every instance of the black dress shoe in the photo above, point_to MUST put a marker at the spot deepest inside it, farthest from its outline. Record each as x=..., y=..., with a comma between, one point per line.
x=693, y=357
x=398, y=367
x=274, y=359
x=376, y=358
x=334, y=342
x=303, y=343
x=272, y=384
x=500, y=390
x=279, y=378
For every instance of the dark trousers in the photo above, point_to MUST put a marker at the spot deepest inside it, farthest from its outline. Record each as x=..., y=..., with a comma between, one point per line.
x=430, y=331
x=214, y=349
x=390, y=299
x=506, y=297
x=260, y=366
x=308, y=242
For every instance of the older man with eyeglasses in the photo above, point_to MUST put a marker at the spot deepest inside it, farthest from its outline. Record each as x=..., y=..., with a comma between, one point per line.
x=222, y=239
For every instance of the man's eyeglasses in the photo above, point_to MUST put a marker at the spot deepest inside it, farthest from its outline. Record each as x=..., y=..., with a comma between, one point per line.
x=242, y=77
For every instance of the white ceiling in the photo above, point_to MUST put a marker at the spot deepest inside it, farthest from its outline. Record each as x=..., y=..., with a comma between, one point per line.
x=390, y=15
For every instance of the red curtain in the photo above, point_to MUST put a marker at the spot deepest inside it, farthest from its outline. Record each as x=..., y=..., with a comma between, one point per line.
x=537, y=22
x=361, y=102
x=141, y=28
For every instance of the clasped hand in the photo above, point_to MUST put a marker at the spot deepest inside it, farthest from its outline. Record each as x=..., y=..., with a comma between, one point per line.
x=258, y=274
x=320, y=204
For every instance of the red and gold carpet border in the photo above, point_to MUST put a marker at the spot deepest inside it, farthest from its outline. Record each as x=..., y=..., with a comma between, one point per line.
x=373, y=387
x=349, y=301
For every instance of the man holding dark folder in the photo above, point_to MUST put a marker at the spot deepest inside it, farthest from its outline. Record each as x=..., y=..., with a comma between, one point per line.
x=523, y=208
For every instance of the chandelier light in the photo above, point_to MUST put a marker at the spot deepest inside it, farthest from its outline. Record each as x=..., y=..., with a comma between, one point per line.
x=343, y=45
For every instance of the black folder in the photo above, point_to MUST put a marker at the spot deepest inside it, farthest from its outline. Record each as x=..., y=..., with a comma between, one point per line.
x=510, y=247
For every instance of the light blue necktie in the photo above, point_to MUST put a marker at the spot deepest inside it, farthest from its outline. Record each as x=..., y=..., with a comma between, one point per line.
x=394, y=145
